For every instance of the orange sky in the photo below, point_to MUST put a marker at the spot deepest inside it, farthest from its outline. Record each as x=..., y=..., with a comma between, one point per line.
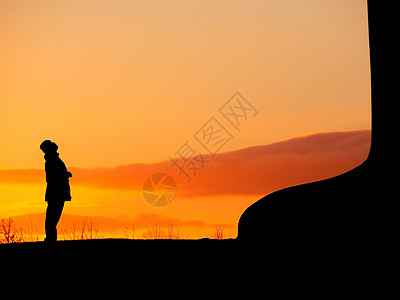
x=217, y=194
x=116, y=83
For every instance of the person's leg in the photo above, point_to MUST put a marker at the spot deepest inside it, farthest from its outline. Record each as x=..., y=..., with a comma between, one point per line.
x=49, y=223
x=57, y=215
x=53, y=214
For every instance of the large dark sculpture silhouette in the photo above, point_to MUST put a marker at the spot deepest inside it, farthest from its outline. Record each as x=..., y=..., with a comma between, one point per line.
x=337, y=212
x=58, y=189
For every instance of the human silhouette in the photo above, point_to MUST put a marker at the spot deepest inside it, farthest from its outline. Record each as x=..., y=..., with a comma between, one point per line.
x=57, y=191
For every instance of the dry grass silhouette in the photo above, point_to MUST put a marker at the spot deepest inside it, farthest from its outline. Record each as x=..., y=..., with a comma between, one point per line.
x=153, y=233
x=10, y=232
x=129, y=233
x=87, y=229
x=219, y=233
x=158, y=232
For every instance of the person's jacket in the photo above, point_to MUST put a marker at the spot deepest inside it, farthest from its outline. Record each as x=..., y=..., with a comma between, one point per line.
x=57, y=178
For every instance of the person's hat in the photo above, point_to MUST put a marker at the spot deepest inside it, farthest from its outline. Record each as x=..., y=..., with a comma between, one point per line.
x=48, y=146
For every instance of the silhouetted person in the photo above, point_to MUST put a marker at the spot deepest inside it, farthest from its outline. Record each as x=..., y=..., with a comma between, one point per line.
x=58, y=189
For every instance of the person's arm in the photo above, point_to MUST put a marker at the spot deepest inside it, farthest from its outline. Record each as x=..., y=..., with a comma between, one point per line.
x=56, y=172
x=66, y=174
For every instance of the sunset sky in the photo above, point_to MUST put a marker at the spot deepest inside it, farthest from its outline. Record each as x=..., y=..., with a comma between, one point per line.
x=125, y=84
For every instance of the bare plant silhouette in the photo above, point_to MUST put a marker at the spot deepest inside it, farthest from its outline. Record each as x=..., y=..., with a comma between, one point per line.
x=10, y=232
x=87, y=229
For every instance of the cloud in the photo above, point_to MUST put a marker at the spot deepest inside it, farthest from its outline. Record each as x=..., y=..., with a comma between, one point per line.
x=262, y=169
x=252, y=170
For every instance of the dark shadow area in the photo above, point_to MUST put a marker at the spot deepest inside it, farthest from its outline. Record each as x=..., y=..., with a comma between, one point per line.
x=328, y=212
x=337, y=212
x=143, y=253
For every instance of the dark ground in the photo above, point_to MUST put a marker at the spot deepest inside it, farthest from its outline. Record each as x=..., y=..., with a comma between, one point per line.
x=217, y=266
x=198, y=267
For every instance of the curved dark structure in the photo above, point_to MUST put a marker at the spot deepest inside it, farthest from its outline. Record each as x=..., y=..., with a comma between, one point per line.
x=339, y=211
